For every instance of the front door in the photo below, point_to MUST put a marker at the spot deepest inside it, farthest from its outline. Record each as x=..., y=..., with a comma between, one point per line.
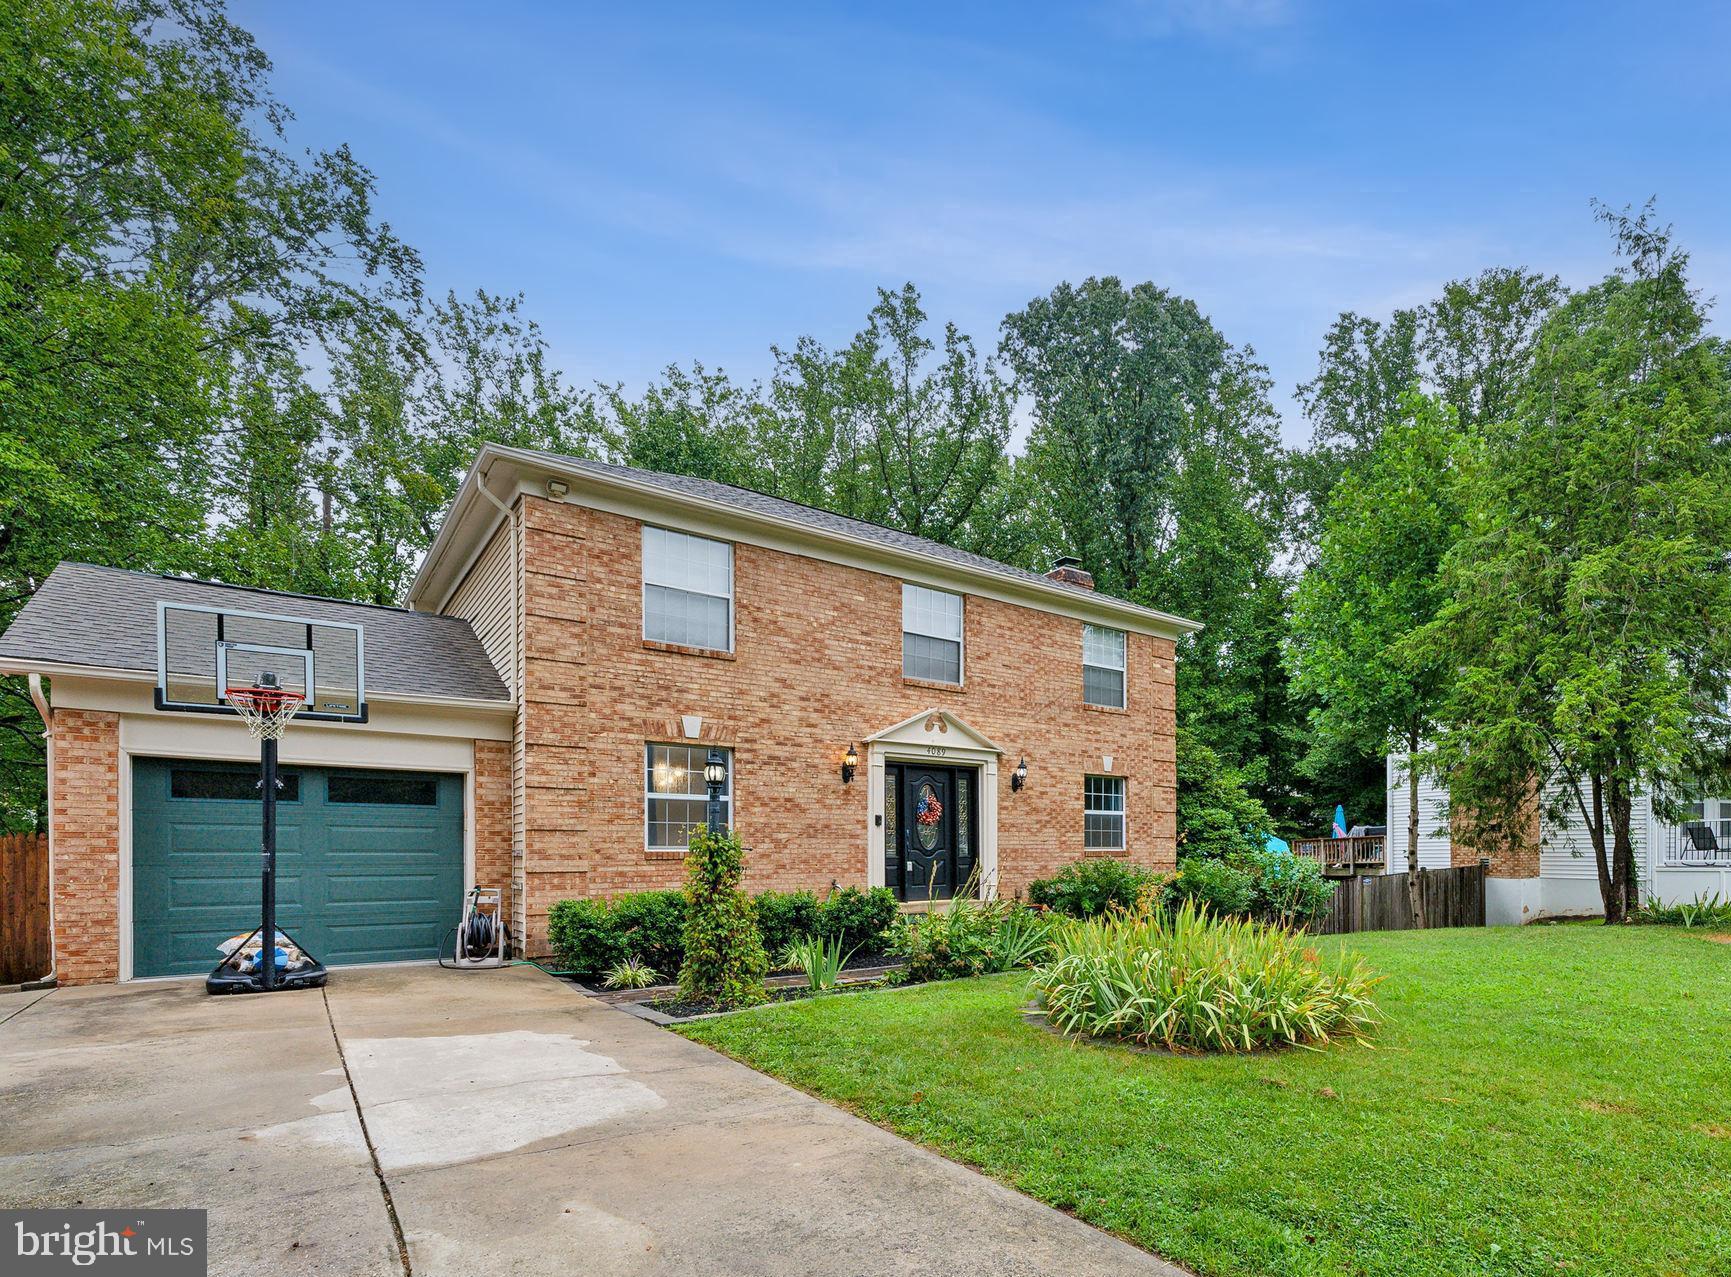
x=932, y=819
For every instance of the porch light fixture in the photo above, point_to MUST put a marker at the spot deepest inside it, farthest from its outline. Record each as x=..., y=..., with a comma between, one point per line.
x=849, y=761
x=715, y=776
x=1019, y=777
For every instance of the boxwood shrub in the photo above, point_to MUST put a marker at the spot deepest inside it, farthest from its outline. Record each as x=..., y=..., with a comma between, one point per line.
x=861, y=920
x=785, y=917
x=1089, y=888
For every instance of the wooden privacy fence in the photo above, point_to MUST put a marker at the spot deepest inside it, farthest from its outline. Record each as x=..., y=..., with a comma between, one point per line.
x=23, y=907
x=1452, y=898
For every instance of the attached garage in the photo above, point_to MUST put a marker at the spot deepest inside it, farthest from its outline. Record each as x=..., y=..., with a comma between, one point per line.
x=369, y=863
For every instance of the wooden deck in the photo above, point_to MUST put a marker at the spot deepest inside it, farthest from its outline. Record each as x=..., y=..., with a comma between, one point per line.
x=1344, y=857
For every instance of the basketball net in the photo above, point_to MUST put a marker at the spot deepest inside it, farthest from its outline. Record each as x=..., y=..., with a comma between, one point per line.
x=265, y=707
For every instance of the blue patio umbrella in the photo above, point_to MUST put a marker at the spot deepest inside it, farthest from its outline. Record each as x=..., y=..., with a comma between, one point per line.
x=1271, y=843
x=1339, y=821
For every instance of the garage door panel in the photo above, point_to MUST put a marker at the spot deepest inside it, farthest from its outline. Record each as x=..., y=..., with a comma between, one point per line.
x=356, y=881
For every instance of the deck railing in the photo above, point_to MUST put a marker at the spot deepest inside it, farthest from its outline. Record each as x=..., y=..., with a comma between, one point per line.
x=1697, y=842
x=1366, y=853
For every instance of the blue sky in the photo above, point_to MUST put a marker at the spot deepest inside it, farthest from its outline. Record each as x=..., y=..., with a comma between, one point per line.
x=669, y=182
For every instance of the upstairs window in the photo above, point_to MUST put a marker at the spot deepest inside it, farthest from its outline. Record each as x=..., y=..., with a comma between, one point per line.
x=1103, y=666
x=687, y=590
x=1103, y=813
x=931, y=634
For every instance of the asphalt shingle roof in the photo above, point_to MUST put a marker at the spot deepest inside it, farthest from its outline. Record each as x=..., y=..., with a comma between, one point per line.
x=106, y=617
x=825, y=520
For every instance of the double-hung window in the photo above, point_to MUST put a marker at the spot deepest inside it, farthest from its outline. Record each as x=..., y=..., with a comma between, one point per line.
x=687, y=590
x=675, y=798
x=931, y=634
x=1103, y=813
x=1103, y=666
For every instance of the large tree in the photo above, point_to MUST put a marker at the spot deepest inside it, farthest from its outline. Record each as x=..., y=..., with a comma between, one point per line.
x=1361, y=648
x=1588, y=595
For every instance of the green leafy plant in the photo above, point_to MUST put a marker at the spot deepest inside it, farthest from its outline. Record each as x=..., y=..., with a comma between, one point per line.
x=784, y=917
x=1287, y=890
x=1222, y=888
x=819, y=960
x=1705, y=910
x=970, y=937
x=1091, y=887
x=859, y=919
x=651, y=927
x=632, y=973
x=1188, y=980
x=584, y=936
x=724, y=957
x=1024, y=939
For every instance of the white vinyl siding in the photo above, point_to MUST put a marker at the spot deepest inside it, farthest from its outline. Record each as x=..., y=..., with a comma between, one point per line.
x=1103, y=813
x=1434, y=846
x=675, y=801
x=485, y=601
x=931, y=634
x=1103, y=666
x=687, y=590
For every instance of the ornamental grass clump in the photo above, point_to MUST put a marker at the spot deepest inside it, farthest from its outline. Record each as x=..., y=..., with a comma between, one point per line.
x=1189, y=981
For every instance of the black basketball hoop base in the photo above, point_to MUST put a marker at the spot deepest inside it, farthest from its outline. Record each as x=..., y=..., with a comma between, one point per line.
x=243, y=971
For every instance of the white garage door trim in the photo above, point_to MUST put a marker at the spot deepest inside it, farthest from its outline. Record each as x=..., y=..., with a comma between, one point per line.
x=325, y=746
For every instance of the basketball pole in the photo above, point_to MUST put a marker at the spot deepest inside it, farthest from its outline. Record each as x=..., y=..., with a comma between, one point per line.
x=267, y=954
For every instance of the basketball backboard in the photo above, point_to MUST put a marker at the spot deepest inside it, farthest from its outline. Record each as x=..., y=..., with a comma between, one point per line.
x=200, y=651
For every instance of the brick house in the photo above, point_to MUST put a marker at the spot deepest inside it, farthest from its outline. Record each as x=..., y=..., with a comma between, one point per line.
x=579, y=638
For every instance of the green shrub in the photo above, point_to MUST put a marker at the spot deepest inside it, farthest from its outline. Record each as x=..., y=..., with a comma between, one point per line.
x=1289, y=890
x=1221, y=887
x=651, y=926
x=584, y=936
x=724, y=958
x=1703, y=911
x=784, y=917
x=970, y=937
x=1218, y=816
x=1187, y=980
x=1089, y=888
x=859, y=919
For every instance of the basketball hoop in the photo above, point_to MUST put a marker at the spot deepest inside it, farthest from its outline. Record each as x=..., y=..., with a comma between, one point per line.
x=265, y=707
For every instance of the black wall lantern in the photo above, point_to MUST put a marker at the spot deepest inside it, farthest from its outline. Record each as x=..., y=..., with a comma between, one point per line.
x=1019, y=777
x=849, y=761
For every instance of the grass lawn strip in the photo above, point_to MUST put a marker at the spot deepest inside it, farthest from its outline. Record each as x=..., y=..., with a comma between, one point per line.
x=1541, y=1100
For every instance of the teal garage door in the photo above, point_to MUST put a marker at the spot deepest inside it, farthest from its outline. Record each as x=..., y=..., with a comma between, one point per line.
x=369, y=863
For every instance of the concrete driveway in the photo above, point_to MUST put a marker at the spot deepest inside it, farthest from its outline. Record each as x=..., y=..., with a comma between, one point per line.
x=417, y=1121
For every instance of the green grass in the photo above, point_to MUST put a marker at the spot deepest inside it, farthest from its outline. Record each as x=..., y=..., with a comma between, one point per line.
x=1540, y=1100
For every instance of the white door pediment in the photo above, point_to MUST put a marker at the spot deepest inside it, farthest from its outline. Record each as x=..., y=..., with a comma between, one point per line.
x=934, y=727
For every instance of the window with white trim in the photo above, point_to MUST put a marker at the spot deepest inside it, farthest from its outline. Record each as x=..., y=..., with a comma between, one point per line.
x=675, y=800
x=1103, y=666
x=1103, y=813
x=931, y=634
x=687, y=590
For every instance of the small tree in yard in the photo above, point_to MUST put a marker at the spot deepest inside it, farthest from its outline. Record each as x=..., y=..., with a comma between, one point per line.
x=724, y=958
x=1360, y=613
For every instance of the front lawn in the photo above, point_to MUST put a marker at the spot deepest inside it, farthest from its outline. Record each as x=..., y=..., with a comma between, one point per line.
x=1541, y=1100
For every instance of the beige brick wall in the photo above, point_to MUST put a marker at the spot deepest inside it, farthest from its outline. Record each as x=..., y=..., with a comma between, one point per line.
x=816, y=665
x=1513, y=849
x=86, y=794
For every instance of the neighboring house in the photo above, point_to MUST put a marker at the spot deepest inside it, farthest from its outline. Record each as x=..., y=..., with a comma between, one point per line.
x=1553, y=873
x=583, y=635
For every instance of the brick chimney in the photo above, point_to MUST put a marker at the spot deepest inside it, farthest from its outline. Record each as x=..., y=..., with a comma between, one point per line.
x=1069, y=571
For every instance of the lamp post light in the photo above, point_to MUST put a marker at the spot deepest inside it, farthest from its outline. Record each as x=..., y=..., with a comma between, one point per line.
x=715, y=776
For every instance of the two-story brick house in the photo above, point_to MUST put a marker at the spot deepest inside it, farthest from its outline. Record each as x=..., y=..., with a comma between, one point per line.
x=891, y=711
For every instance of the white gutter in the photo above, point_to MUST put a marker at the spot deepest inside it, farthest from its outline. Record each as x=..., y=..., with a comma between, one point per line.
x=40, y=698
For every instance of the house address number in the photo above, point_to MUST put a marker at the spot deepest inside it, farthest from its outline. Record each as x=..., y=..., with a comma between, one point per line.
x=937, y=751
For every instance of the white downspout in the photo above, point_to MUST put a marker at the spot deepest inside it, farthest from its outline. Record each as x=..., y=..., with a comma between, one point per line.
x=40, y=699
